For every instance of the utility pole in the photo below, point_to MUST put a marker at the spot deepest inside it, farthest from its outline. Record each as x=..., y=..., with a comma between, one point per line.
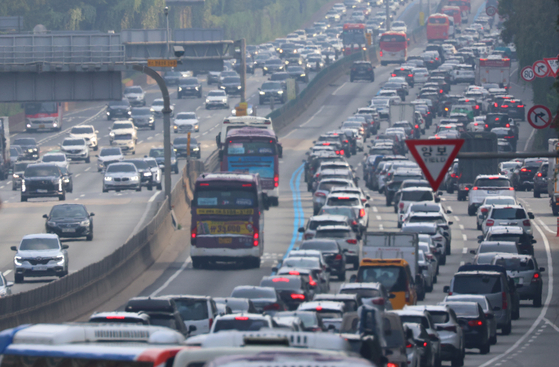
x=387, y=15
x=166, y=11
x=166, y=125
x=243, y=69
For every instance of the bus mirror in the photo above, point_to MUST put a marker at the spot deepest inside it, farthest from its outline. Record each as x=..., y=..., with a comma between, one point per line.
x=280, y=151
x=220, y=154
x=266, y=202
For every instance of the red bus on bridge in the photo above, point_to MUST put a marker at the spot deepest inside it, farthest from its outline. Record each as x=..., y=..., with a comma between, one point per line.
x=354, y=38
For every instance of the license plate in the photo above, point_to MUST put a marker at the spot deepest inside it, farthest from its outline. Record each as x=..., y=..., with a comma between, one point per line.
x=68, y=230
x=492, y=192
x=224, y=240
x=42, y=126
x=392, y=54
x=516, y=280
x=42, y=191
x=40, y=268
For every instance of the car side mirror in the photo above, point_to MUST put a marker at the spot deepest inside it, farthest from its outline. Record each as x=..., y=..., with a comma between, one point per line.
x=473, y=252
x=353, y=278
x=368, y=198
x=391, y=296
x=479, y=239
x=301, y=229
x=519, y=286
x=275, y=269
x=437, y=200
x=496, y=308
x=96, y=131
x=530, y=215
x=266, y=202
x=192, y=328
x=450, y=223
x=446, y=289
x=96, y=155
x=9, y=284
x=91, y=214
x=534, y=241
x=449, y=211
x=542, y=269
x=440, y=193
x=65, y=247
x=45, y=216
x=367, y=205
x=13, y=248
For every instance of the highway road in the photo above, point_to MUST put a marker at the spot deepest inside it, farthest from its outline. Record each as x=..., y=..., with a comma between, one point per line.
x=117, y=215
x=533, y=336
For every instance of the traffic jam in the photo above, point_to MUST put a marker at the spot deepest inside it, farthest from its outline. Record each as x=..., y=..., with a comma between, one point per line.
x=374, y=275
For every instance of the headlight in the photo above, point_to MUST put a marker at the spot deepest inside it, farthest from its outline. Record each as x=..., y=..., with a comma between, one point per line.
x=17, y=260
x=265, y=67
x=262, y=93
x=175, y=127
x=280, y=92
x=221, y=87
x=15, y=176
x=108, y=178
x=152, y=110
x=59, y=260
x=56, y=181
x=239, y=87
x=196, y=88
x=207, y=100
x=85, y=223
x=111, y=134
x=108, y=113
x=30, y=150
x=302, y=74
x=135, y=178
x=196, y=149
x=196, y=127
x=147, y=173
x=173, y=160
x=66, y=180
x=180, y=89
x=224, y=100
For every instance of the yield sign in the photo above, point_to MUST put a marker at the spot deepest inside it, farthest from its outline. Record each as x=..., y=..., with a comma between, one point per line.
x=434, y=156
x=553, y=64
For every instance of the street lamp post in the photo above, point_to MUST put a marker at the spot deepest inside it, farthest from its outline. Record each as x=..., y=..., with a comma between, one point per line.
x=166, y=11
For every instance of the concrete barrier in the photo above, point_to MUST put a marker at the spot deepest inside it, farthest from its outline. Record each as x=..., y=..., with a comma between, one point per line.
x=83, y=291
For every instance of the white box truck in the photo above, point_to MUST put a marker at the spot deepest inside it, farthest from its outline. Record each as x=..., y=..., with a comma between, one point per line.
x=402, y=112
x=494, y=69
x=392, y=245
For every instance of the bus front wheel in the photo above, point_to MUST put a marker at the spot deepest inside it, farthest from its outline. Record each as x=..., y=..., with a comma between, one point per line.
x=196, y=263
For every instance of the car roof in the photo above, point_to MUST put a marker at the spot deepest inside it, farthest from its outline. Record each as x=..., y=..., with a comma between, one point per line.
x=505, y=229
x=417, y=189
x=40, y=235
x=333, y=228
x=366, y=285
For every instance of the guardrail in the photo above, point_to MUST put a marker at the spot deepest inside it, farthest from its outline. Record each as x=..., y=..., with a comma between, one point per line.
x=78, y=293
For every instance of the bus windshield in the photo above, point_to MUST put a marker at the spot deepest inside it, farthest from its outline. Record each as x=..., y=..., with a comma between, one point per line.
x=36, y=108
x=252, y=148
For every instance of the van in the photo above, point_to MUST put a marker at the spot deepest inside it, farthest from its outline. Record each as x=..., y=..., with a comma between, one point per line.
x=197, y=312
x=394, y=274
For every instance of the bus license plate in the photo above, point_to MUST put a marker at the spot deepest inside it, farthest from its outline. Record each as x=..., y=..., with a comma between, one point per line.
x=224, y=240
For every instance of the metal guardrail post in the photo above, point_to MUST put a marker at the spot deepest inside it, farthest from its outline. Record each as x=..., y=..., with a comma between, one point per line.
x=166, y=125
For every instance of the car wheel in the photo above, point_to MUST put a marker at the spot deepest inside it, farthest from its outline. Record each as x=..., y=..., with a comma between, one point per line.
x=18, y=278
x=14, y=188
x=150, y=188
x=485, y=349
x=176, y=170
x=471, y=210
x=196, y=263
x=23, y=198
x=153, y=127
x=139, y=188
x=493, y=340
x=96, y=148
x=356, y=264
x=443, y=260
x=88, y=160
x=537, y=194
x=515, y=313
x=507, y=329
x=555, y=210
x=537, y=300
x=62, y=197
x=388, y=202
x=89, y=237
x=159, y=186
x=478, y=227
x=341, y=277
x=447, y=249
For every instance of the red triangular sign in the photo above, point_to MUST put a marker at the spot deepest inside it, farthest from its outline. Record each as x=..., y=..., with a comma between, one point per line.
x=434, y=156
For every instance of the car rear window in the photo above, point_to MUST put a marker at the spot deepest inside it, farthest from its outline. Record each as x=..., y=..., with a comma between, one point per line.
x=393, y=278
x=320, y=246
x=439, y=317
x=281, y=283
x=508, y=213
x=333, y=234
x=192, y=309
x=395, y=338
x=362, y=292
x=240, y=323
x=464, y=309
x=501, y=248
x=417, y=196
x=253, y=293
x=327, y=186
x=412, y=319
x=477, y=284
x=343, y=201
x=515, y=264
x=486, y=182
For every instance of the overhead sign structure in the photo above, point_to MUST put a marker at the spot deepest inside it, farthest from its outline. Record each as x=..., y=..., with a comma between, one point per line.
x=434, y=156
x=527, y=73
x=540, y=68
x=162, y=63
x=553, y=64
x=491, y=11
x=539, y=117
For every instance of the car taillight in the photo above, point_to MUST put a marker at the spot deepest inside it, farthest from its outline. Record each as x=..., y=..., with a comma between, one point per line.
x=342, y=152
x=507, y=125
x=193, y=233
x=466, y=188
x=401, y=205
x=115, y=317
x=392, y=74
x=484, y=210
x=390, y=364
x=211, y=322
x=486, y=126
x=410, y=75
x=520, y=106
x=477, y=107
x=352, y=241
x=380, y=53
x=453, y=175
x=536, y=277
x=361, y=213
x=318, y=193
x=312, y=283
x=410, y=345
x=255, y=238
x=523, y=170
x=511, y=188
x=505, y=302
x=337, y=152
x=474, y=188
x=276, y=180
x=417, y=126
x=297, y=296
x=338, y=257
x=241, y=318
x=354, y=223
x=526, y=223
x=504, y=106
x=475, y=323
x=378, y=301
x=450, y=328
x=441, y=91
x=347, y=141
x=489, y=223
x=539, y=174
x=272, y=307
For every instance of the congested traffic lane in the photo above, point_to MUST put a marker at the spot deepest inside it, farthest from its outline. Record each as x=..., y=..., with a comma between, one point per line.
x=118, y=215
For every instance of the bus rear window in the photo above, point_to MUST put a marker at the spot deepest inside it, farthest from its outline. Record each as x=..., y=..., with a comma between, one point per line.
x=393, y=278
x=438, y=20
x=251, y=148
x=222, y=198
x=477, y=284
x=392, y=38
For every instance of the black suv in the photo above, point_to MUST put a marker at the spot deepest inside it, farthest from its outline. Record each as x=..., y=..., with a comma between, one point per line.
x=70, y=220
x=189, y=87
x=180, y=146
x=298, y=73
x=145, y=171
x=271, y=90
x=540, y=180
x=118, y=109
x=30, y=148
x=42, y=180
x=525, y=180
x=362, y=70
x=405, y=72
x=493, y=120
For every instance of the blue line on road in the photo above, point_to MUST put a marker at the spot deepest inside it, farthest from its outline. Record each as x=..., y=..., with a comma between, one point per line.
x=294, y=184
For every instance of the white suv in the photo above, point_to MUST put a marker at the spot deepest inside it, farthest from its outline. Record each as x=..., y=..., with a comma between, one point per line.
x=508, y=215
x=488, y=185
x=411, y=195
x=87, y=132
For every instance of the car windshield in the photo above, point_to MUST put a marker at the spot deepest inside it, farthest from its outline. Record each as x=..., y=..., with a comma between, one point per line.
x=140, y=164
x=363, y=292
x=308, y=318
x=271, y=86
x=54, y=157
x=394, y=339
x=485, y=182
x=68, y=211
x=191, y=81
x=39, y=244
x=412, y=319
x=45, y=107
x=337, y=210
x=515, y=264
x=439, y=317
x=464, y=309
x=240, y=323
x=165, y=320
x=82, y=130
x=508, y=213
x=393, y=278
x=123, y=137
x=157, y=102
x=477, y=284
x=511, y=249
x=329, y=246
x=232, y=79
x=41, y=171
x=301, y=262
x=121, y=168
x=122, y=125
x=123, y=103
x=417, y=196
x=328, y=185
x=426, y=219
x=500, y=201
x=426, y=229
x=132, y=90
x=70, y=142
x=142, y=111
x=253, y=293
x=333, y=233
x=110, y=151
x=19, y=167
x=157, y=153
x=186, y=116
x=25, y=142
x=217, y=93
x=192, y=309
x=225, y=198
